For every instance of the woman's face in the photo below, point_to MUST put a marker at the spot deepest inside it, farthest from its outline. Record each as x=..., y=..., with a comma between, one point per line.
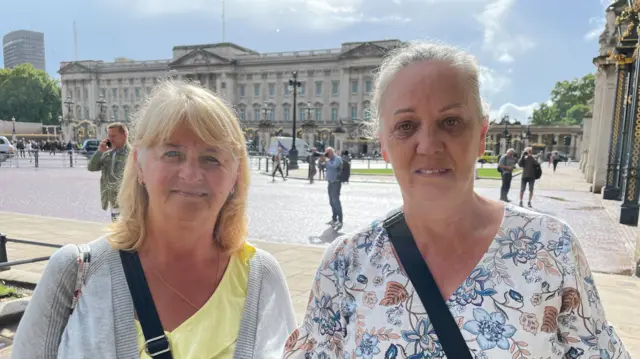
x=432, y=131
x=186, y=178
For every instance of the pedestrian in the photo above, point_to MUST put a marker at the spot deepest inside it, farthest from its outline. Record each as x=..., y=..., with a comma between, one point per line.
x=528, y=163
x=180, y=246
x=277, y=165
x=110, y=160
x=311, y=160
x=507, y=163
x=334, y=168
x=393, y=289
x=555, y=159
x=346, y=167
x=322, y=165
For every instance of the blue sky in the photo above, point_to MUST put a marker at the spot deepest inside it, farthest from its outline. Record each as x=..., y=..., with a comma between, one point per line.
x=523, y=46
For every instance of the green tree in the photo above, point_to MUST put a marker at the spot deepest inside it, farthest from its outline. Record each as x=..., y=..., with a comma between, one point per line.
x=569, y=102
x=29, y=95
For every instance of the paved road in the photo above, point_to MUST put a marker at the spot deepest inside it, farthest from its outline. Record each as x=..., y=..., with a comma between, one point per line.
x=295, y=211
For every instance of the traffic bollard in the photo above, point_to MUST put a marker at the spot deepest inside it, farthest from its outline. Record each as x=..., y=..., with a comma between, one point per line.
x=36, y=156
x=3, y=251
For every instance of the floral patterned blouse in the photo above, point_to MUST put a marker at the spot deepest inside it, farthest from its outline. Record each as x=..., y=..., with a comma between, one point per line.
x=530, y=296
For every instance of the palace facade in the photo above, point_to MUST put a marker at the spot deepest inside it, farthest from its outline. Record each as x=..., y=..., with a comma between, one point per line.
x=332, y=100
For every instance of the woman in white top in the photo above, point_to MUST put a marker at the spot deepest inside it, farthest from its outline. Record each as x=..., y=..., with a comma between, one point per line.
x=516, y=282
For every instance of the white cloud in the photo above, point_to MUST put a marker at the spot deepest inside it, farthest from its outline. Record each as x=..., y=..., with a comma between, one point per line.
x=597, y=24
x=515, y=112
x=318, y=15
x=497, y=39
x=491, y=82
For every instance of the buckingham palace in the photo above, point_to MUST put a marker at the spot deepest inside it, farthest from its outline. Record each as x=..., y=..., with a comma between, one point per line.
x=333, y=92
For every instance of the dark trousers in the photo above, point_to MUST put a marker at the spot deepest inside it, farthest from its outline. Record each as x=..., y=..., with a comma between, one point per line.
x=277, y=168
x=506, y=184
x=334, y=201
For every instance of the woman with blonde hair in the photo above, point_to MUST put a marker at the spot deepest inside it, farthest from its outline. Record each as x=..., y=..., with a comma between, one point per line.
x=451, y=273
x=176, y=277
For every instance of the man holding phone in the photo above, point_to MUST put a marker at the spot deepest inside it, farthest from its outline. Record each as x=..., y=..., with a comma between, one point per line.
x=110, y=159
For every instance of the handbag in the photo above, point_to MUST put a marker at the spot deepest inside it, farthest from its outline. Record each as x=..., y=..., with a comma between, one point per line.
x=156, y=343
x=445, y=326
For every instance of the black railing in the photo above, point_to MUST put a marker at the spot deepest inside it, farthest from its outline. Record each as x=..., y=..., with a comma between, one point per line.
x=6, y=264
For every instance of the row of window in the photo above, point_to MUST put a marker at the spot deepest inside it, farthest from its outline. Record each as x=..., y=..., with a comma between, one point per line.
x=316, y=112
x=112, y=96
x=114, y=112
x=335, y=88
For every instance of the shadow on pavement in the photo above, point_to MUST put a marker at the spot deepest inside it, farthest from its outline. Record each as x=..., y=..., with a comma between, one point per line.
x=327, y=236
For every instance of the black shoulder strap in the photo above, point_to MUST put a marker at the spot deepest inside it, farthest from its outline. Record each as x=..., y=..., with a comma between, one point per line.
x=156, y=342
x=420, y=276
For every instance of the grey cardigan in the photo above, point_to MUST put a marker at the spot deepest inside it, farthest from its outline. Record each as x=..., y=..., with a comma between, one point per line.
x=102, y=324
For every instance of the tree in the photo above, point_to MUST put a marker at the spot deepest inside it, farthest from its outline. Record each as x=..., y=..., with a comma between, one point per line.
x=29, y=95
x=569, y=102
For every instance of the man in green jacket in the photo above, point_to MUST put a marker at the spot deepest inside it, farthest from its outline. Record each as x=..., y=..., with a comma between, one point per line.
x=110, y=159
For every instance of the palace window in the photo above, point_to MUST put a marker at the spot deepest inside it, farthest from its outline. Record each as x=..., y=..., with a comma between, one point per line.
x=335, y=88
x=256, y=114
x=137, y=93
x=318, y=114
x=242, y=90
x=354, y=86
x=354, y=112
x=302, y=86
x=318, y=88
x=287, y=114
x=243, y=114
x=272, y=90
x=126, y=96
x=286, y=89
x=334, y=114
x=368, y=86
x=301, y=111
x=256, y=90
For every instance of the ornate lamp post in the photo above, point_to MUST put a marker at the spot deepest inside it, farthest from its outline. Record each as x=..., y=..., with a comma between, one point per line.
x=294, y=84
x=13, y=132
x=102, y=105
x=507, y=135
x=265, y=127
x=69, y=102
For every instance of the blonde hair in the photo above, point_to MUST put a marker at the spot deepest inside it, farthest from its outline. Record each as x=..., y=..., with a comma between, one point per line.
x=171, y=105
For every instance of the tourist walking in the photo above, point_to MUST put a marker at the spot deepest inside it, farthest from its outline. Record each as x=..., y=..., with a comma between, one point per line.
x=175, y=277
x=311, y=160
x=529, y=165
x=506, y=165
x=450, y=273
x=322, y=165
x=110, y=160
x=334, y=167
x=277, y=165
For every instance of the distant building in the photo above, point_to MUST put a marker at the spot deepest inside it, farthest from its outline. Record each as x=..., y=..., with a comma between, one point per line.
x=331, y=104
x=23, y=47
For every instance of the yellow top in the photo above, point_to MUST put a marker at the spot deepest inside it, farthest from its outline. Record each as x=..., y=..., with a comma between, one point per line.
x=212, y=331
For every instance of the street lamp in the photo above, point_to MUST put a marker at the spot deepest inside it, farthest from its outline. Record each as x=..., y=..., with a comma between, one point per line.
x=102, y=104
x=13, y=133
x=294, y=84
x=69, y=104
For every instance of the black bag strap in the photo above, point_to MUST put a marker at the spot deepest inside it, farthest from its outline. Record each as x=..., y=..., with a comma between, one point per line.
x=420, y=276
x=156, y=342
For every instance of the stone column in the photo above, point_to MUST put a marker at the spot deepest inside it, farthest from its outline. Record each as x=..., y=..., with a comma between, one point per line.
x=503, y=146
x=585, y=142
x=344, y=95
x=604, y=131
x=601, y=88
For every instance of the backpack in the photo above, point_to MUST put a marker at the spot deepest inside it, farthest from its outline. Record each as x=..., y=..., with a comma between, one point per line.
x=537, y=171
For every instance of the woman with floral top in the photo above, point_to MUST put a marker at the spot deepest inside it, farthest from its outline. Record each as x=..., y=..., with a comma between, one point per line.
x=516, y=282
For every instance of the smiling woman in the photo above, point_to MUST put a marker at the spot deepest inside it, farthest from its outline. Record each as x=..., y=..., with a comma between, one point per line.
x=499, y=281
x=180, y=279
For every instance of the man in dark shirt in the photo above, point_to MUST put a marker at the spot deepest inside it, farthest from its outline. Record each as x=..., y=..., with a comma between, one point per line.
x=528, y=163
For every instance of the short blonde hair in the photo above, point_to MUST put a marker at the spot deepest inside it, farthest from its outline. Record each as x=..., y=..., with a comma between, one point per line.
x=171, y=105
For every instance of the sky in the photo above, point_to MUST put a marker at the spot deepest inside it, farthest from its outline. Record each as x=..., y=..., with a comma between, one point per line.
x=523, y=47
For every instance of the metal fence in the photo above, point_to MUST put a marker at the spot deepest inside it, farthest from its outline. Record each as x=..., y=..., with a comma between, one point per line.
x=6, y=264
